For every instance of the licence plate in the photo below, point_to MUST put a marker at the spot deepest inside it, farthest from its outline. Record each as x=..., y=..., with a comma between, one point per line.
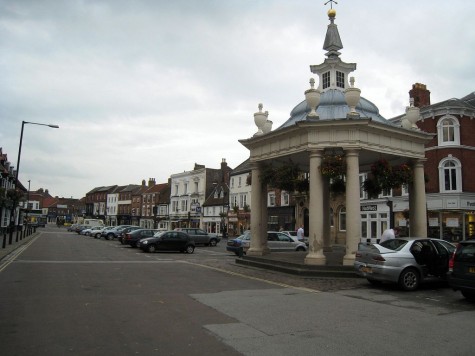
x=471, y=269
x=366, y=269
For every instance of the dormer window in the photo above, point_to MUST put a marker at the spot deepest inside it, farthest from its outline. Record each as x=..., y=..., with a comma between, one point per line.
x=340, y=79
x=326, y=80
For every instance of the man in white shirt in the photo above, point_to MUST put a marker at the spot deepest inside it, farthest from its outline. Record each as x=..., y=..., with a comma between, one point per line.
x=389, y=234
x=300, y=233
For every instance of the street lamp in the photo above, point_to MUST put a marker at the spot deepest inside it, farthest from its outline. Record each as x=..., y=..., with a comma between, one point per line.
x=12, y=222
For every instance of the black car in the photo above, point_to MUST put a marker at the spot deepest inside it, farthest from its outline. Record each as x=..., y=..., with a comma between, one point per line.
x=462, y=276
x=168, y=241
x=133, y=237
x=121, y=234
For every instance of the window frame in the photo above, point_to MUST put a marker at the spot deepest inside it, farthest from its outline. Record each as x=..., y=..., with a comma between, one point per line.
x=441, y=130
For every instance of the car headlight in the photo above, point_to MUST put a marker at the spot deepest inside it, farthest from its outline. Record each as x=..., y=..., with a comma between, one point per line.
x=144, y=242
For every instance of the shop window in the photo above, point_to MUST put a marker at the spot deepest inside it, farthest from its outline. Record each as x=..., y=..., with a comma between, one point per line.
x=448, y=131
x=450, y=175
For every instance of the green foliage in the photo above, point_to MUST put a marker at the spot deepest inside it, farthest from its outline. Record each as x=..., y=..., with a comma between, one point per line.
x=386, y=177
x=287, y=177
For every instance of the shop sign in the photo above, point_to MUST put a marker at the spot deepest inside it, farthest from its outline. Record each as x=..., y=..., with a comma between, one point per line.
x=369, y=207
x=233, y=219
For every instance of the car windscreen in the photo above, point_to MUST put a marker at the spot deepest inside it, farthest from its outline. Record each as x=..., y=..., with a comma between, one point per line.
x=394, y=244
x=160, y=233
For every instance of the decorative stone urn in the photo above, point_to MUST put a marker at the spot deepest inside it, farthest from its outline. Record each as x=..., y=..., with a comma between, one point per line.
x=312, y=96
x=268, y=125
x=413, y=114
x=406, y=123
x=352, y=96
x=260, y=119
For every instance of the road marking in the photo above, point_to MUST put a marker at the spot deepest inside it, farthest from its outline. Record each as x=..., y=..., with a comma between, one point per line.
x=17, y=252
x=253, y=278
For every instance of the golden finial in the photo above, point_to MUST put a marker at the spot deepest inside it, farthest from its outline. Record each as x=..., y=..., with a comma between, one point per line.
x=331, y=12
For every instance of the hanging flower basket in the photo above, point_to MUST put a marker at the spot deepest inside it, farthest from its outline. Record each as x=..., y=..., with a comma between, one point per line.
x=333, y=167
x=384, y=177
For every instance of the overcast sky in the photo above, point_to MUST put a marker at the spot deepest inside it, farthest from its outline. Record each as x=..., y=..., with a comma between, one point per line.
x=146, y=88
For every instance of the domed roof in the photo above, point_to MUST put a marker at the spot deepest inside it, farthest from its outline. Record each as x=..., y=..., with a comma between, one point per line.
x=333, y=106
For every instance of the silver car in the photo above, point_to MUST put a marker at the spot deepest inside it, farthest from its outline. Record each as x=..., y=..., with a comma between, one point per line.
x=407, y=261
x=276, y=241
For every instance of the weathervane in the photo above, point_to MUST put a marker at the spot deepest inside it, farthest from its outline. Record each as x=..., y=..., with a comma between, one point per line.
x=331, y=3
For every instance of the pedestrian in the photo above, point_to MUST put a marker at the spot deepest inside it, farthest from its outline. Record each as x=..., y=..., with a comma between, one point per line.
x=300, y=233
x=281, y=229
x=390, y=234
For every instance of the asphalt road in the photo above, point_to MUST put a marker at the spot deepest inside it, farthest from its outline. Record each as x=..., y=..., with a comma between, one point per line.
x=64, y=294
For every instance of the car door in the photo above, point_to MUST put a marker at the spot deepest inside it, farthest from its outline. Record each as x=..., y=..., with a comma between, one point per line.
x=273, y=241
x=201, y=236
x=286, y=242
x=441, y=259
x=167, y=240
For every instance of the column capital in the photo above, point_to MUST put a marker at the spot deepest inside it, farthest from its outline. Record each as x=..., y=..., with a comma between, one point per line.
x=316, y=152
x=352, y=151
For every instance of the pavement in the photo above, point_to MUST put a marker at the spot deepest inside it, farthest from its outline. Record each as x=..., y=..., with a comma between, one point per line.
x=9, y=248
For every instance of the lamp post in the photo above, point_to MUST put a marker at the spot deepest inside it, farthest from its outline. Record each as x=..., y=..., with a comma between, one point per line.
x=12, y=220
x=27, y=207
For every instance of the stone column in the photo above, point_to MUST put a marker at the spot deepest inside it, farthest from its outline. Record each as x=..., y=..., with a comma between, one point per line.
x=258, y=214
x=326, y=216
x=316, y=212
x=353, y=215
x=418, y=202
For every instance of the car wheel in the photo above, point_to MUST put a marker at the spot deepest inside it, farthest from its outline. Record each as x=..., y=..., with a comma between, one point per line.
x=374, y=282
x=213, y=242
x=151, y=248
x=300, y=248
x=190, y=249
x=98, y=236
x=409, y=279
x=109, y=236
x=470, y=295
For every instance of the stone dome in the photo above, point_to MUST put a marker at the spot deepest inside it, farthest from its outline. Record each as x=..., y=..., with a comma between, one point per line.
x=334, y=107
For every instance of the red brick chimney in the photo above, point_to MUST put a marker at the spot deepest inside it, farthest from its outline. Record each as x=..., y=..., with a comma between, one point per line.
x=420, y=94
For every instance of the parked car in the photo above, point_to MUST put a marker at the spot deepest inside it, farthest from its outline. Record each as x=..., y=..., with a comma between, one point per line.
x=407, y=261
x=79, y=228
x=276, y=241
x=72, y=227
x=133, y=237
x=293, y=235
x=98, y=233
x=462, y=266
x=124, y=231
x=92, y=231
x=114, y=232
x=168, y=241
x=201, y=237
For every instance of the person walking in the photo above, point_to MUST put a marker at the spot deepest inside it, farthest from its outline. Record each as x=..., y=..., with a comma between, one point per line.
x=300, y=233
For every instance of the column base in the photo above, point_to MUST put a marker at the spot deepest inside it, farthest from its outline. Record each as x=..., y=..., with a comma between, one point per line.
x=315, y=259
x=349, y=260
x=257, y=252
